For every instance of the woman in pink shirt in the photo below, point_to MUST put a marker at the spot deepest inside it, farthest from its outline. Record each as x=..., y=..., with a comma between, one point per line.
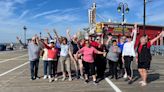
x=88, y=60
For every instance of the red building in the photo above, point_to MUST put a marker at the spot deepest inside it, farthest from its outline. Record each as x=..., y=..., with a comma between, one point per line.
x=151, y=30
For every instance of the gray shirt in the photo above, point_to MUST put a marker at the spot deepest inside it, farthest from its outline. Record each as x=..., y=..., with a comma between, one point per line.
x=33, y=51
x=113, y=56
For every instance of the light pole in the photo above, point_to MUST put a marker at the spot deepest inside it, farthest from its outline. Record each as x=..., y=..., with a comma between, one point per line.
x=124, y=7
x=25, y=29
x=144, y=19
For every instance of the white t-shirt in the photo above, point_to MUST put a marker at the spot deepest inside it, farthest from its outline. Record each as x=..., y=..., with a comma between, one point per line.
x=64, y=50
x=128, y=49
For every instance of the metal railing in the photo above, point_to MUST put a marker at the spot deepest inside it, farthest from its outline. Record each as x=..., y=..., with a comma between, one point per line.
x=157, y=50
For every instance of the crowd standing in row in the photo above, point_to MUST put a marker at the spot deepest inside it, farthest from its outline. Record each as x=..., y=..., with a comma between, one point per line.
x=90, y=56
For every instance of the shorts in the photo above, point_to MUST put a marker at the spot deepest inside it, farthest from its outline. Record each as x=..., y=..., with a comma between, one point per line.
x=144, y=65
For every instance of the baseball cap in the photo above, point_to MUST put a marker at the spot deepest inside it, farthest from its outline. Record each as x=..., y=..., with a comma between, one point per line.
x=52, y=41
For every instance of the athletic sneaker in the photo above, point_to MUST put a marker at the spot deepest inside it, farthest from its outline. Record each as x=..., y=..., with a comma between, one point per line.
x=56, y=79
x=50, y=79
x=63, y=79
x=130, y=82
x=125, y=76
x=77, y=75
x=37, y=77
x=95, y=83
x=81, y=77
x=45, y=77
x=70, y=79
x=126, y=79
x=49, y=76
x=32, y=78
x=144, y=84
x=86, y=81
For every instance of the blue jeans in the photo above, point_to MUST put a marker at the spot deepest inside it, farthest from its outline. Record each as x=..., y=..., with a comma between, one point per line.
x=45, y=64
x=34, y=68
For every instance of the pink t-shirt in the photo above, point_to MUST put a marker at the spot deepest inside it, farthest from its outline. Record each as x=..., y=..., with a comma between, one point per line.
x=88, y=54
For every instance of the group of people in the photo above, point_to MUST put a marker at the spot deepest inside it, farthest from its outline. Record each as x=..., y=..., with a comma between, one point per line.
x=89, y=56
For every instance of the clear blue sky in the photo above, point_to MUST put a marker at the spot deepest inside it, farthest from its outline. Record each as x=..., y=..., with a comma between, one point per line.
x=39, y=15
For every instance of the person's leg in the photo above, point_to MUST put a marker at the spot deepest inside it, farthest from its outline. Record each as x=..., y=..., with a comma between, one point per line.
x=93, y=73
x=62, y=63
x=86, y=70
x=112, y=68
x=81, y=67
x=76, y=65
x=55, y=66
x=100, y=66
x=131, y=69
x=124, y=70
x=120, y=64
x=141, y=74
x=144, y=76
x=32, y=69
x=115, y=69
x=127, y=66
x=104, y=67
x=45, y=64
x=36, y=68
x=49, y=69
x=68, y=67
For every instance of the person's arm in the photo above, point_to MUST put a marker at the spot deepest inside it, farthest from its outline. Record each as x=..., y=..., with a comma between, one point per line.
x=37, y=40
x=42, y=44
x=136, y=58
x=70, y=54
x=118, y=50
x=156, y=38
x=123, y=53
x=68, y=34
x=80, y=51
x=102, y=39
x=109, y=39
x=134, y=33
x=45, y=45
x=57, y=37
x=49, y=34
x=97, y=51
x=20, y=41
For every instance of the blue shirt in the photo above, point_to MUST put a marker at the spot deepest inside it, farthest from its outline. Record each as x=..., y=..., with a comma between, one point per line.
x=121, y=46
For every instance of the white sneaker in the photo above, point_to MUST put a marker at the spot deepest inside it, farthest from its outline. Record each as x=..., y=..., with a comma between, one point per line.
x=70, y=79
x=56, y=79
x=50, y=79
x=81, y=77
x=143, y=84
x=125, y=76
x=49, y=76
x=63, y=79
x=45, y=77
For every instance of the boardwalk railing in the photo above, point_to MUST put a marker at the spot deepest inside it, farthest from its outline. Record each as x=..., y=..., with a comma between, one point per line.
x=157, y=50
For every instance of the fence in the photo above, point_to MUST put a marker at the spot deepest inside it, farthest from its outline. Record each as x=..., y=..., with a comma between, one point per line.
x=157, y=50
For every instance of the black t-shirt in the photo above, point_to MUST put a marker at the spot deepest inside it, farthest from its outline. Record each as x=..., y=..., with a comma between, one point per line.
x=75, y=47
